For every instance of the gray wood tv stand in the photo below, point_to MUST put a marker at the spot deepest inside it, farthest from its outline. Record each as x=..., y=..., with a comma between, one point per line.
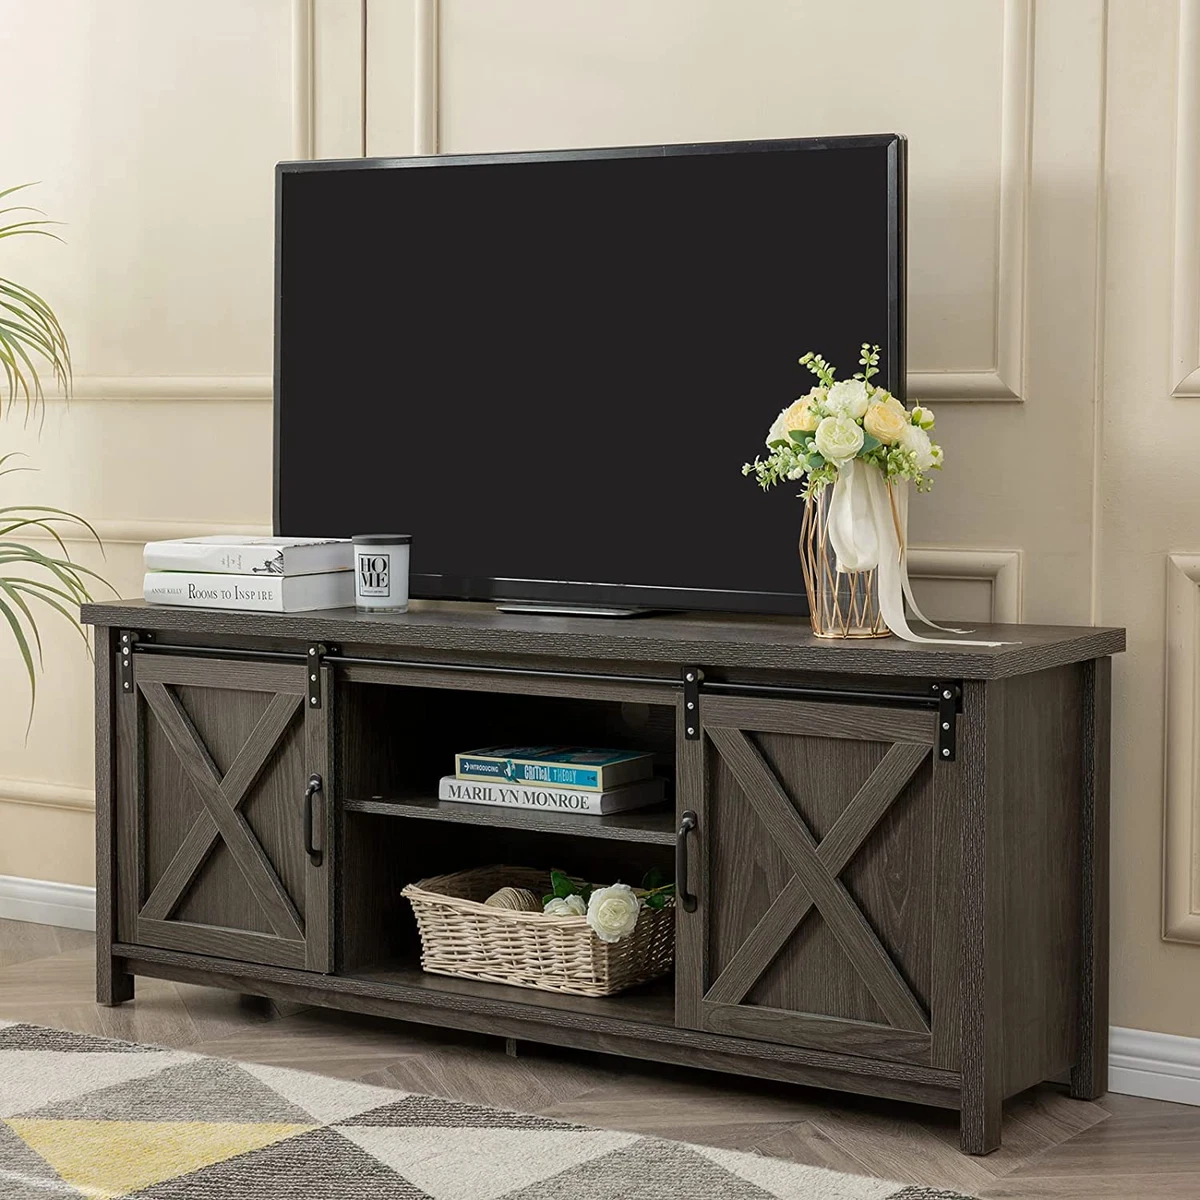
x=898, y=864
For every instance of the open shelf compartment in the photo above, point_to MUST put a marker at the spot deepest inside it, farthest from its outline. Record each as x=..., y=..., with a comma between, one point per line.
x=397, y=741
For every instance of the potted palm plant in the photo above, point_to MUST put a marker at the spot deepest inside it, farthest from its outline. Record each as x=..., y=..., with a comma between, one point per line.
x=32, y=344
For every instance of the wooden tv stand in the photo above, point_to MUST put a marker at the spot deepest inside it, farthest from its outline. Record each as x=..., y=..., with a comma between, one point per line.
x=900, y=861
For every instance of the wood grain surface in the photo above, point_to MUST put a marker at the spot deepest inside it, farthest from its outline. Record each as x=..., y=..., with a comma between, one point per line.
x=702, y=639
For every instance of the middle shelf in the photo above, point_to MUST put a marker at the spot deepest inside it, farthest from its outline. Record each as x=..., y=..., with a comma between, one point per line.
x=648, y=826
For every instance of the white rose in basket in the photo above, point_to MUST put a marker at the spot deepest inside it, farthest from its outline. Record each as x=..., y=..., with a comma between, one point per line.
x=612, y=912
x=566, y=906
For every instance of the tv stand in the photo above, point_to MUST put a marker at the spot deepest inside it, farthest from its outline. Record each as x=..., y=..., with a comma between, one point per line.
x=899, y=860
x=550, y=609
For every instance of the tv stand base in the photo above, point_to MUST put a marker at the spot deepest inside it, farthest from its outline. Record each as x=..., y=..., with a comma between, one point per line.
x=572, y=610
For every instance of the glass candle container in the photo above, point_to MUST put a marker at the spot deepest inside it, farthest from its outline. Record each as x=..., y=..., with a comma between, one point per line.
x=381, y=571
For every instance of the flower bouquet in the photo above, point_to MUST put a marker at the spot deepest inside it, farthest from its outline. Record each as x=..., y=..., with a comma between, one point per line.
x=854, y=447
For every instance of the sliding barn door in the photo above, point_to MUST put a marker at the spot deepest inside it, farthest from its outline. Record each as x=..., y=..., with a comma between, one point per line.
x=225, y=822
x=823, y=863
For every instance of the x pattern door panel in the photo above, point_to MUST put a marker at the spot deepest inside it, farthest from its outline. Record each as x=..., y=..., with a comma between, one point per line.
x=817, y=908
x=215, y=821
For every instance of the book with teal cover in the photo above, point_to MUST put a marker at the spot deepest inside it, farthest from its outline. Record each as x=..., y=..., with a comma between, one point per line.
x=583, y=767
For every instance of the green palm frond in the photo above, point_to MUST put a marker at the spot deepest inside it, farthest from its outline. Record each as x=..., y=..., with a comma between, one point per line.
x=29, y=331
x=31, y=579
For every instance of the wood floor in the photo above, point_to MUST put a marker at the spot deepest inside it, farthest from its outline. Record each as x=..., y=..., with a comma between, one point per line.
x=1053, y=1146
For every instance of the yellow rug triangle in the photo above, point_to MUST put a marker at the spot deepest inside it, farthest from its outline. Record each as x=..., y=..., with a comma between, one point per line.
x=106, y=1159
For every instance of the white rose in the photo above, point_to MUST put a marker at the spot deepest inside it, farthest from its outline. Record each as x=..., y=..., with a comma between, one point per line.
x=938, y=456
x=572, y=906
x=778, y=430
x=850, y=397
x=923, y=416
x=839, y=438
x=916, y=440
x=612, y=912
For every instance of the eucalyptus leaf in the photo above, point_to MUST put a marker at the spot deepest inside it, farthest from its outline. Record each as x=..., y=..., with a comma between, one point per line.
x=654, y=878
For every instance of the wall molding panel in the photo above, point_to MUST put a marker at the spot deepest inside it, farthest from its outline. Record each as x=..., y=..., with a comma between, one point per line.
x=303, y=70
x=1016, y=149
x=47, y=795
x=1001, y=568
x=1185, y=286
x=1181, y=799
x=426, y=83
x=945, y=386
x=171, y=387
x=137, y=532
x=1005, y=380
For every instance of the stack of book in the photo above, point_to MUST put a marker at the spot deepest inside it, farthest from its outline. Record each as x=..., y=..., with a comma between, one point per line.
x=567, y=779
x=255, y=574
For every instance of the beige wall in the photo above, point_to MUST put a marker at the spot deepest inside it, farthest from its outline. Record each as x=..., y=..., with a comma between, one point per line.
x=1054, y=294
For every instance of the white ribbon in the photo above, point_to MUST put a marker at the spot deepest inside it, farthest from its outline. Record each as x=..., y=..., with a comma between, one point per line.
x=868, y=529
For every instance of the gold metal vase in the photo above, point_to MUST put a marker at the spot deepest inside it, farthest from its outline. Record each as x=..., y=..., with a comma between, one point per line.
x=841, y=604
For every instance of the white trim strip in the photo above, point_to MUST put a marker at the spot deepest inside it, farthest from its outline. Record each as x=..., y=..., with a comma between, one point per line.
x=1160, y=1066
x=44, y=902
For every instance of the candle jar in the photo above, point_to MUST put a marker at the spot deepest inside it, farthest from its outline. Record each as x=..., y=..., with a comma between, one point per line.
x=381, y=572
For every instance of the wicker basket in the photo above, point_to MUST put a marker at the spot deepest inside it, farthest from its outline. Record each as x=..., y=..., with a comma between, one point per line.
x=460, y=935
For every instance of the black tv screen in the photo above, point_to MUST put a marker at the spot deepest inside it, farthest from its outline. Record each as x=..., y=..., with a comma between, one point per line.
x=548, y=368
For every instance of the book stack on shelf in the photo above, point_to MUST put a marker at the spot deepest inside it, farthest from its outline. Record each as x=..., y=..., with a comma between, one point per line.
x=567, y=779
x=251, y=574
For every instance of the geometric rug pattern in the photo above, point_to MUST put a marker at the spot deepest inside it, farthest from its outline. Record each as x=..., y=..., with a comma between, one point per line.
x=83, y=1116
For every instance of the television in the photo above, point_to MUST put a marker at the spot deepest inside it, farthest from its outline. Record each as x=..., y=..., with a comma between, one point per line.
x=549, y=367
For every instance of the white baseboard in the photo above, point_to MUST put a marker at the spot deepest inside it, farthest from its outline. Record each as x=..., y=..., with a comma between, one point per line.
x=1158, y=1065
x=47, y=903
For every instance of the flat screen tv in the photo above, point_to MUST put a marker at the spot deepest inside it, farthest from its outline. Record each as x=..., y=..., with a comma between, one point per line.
x=549, y=367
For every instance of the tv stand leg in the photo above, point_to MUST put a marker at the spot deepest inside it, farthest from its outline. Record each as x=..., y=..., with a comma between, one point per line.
x=114, y=985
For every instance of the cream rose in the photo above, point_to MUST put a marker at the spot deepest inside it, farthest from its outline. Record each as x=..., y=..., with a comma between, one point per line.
x=849, y=397
x=839, y=438
x=914, y=439
x=886, y=422
x=883, y=396
x=570, y=906
x=800, y=416
x=612, y=912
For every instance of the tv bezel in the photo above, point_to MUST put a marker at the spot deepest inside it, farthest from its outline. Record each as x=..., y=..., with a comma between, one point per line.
x=574, y=592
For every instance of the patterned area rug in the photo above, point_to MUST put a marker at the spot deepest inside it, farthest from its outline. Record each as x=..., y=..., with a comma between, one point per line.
x=85, y=1116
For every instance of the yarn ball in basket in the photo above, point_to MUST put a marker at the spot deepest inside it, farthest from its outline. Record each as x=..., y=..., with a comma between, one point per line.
x=520, y=899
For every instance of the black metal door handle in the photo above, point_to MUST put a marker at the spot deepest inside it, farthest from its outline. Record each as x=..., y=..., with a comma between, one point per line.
x=687, y=823
x=314, y=786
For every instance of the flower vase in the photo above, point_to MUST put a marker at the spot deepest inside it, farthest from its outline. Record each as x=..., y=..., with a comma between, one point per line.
x=841, y=604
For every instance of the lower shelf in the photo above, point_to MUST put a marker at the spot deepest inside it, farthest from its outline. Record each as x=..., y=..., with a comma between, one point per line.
x=651, y=1004
x=639, y=1023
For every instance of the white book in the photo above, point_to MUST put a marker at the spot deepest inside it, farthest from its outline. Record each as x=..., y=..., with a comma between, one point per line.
x=552, y=799
x=227, y=554
x=266, y=593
